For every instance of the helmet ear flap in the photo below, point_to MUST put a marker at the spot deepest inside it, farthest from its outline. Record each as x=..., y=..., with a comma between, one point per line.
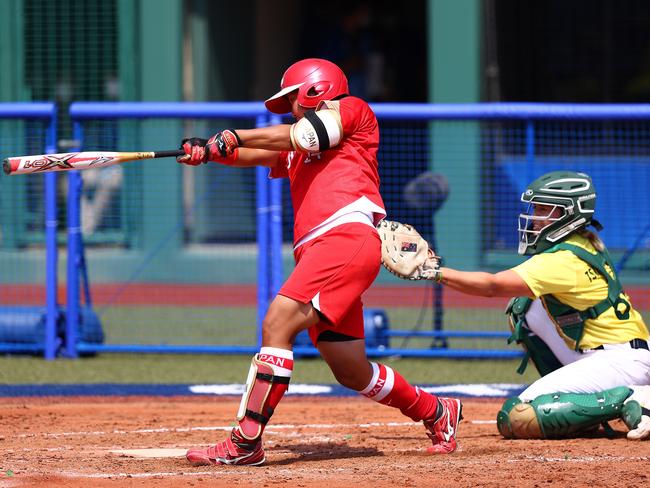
x=318, y=88
x=310, y=95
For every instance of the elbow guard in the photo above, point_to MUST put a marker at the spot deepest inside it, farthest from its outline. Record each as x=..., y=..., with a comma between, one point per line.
x=317, y=131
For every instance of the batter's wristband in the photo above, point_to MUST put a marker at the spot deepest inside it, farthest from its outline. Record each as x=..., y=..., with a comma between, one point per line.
x=229, y=161
x=438, y=276
x=234, y=132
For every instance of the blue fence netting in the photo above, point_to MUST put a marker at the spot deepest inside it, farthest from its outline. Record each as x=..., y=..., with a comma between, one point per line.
x=186, y=260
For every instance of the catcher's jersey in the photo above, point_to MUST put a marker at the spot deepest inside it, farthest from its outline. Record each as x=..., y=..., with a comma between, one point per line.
x=572, y=281
x=326, y=182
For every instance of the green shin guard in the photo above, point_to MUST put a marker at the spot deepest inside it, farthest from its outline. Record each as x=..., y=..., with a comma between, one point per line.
x=559, y=415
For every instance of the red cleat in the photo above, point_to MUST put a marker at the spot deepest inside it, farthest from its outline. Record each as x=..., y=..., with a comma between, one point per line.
x=442, y=431
x=235, y=450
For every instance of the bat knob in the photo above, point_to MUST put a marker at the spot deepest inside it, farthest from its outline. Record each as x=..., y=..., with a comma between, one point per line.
x=6, y=166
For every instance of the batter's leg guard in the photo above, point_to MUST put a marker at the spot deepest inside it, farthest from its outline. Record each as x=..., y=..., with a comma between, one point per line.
x=559, y=415
x=263, y=392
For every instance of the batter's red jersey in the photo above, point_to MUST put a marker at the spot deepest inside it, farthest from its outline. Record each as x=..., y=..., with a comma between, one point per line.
x=325, y=182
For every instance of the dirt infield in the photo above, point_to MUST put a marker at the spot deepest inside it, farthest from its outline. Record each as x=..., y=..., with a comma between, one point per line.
x=311, y=442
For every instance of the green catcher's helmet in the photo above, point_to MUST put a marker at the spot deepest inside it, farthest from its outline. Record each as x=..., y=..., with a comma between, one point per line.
x=569, y=191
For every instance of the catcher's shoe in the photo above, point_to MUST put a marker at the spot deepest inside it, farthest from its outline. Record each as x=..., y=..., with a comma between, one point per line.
x=442, y=431
x=235, y=450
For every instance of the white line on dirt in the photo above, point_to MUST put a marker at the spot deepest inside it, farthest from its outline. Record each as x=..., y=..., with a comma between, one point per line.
x=305, y=470
x=72, y=474
x=271, y=428
x=213, y=473
x=578, y=459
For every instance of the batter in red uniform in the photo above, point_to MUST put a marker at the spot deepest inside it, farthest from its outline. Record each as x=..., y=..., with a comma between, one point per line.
x=330, y=157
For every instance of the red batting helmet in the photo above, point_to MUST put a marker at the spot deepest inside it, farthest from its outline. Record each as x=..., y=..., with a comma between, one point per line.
x=315, y=79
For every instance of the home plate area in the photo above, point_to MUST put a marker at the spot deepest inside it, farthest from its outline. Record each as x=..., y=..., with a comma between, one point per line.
x=84, y=441
x=150, y=453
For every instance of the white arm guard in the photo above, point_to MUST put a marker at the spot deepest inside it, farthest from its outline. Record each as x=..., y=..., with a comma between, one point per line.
x=317, y=131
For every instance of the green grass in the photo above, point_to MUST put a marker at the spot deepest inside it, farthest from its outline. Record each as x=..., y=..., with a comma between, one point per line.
x=236, y=325
x=179, y=325
x=132, y=368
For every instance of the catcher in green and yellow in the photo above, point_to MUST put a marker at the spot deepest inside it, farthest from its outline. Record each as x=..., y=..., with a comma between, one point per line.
x=571, y=316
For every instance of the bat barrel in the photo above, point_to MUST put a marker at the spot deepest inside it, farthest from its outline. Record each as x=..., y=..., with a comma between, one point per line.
x=45, y=163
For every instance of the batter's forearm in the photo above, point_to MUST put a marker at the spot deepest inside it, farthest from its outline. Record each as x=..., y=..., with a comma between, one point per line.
x=469, y=282
x=503, y=284
x=248, y=157
x=274, y=138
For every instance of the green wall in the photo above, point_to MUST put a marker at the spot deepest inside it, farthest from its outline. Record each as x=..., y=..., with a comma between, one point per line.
x=151, y=67
x=12, y=85
x=454, y=77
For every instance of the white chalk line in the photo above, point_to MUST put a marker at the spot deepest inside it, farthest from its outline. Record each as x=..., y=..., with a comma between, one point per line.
x=72, y=474
x=225, y=471
x=122, y=452
x=578, y=459
x=217, y=471
x=270, y=429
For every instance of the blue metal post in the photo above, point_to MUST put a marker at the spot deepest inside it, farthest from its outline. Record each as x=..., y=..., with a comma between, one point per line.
x=263, y=278
x=74, y=257
x=51, y=249
x=277, y=276
x=276, y=235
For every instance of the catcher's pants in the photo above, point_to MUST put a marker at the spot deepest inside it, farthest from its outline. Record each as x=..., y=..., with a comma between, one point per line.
x=332, y=272
x=594, y=371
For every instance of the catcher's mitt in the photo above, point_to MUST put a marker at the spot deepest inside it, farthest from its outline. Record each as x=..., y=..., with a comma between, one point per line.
x=406, y=254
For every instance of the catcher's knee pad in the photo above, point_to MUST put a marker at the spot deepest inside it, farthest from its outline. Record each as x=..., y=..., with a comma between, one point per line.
x=559, y=415
x=255, y=409
x=518, y=420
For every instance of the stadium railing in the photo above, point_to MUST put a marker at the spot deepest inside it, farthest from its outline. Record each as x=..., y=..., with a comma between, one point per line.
x=486, y=152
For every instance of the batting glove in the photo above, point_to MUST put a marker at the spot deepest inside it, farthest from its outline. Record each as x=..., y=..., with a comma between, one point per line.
x=221, y=148
x=195, y=152
x=222, y=145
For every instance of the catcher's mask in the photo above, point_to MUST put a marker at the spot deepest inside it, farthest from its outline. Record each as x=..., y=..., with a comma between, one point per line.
x=316, y=80
x=570, y=192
